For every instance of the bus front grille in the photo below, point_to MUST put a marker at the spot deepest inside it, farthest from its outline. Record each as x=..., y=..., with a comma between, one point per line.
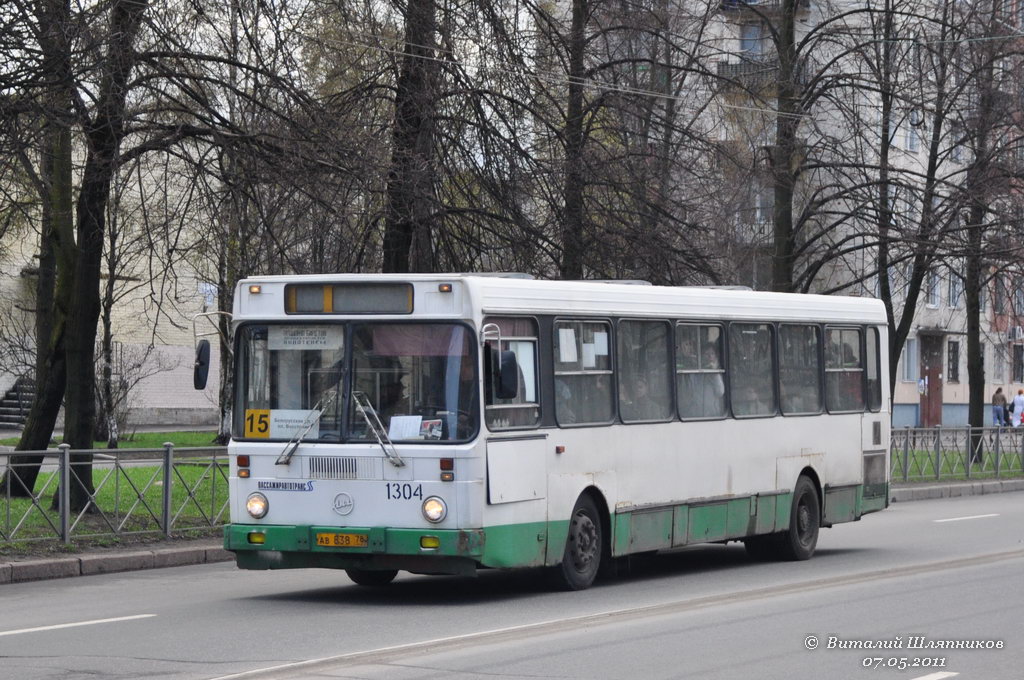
x=325, y=467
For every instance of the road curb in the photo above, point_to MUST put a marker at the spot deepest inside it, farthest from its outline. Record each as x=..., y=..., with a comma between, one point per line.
x=106, y=563
x=921, y=492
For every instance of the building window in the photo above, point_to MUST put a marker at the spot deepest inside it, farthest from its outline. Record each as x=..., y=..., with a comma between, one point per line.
x=753, y=40
x=998, y=296
x=956, y=289
x=909, y=360
x=1018, y=301
x=998, y=364
x=1018, y=363
x=913, y=131
x=764, y=206
x=953, y=358
x=933, y=283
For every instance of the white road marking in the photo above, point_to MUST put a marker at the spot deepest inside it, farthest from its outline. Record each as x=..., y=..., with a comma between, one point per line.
x=301, y=669
x=960, y=519
x=73, y=625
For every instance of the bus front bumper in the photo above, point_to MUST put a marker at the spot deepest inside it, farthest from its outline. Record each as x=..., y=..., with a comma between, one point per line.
x=447, y=551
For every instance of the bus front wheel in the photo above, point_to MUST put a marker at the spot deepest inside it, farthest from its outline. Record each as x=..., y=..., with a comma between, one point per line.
x=583, y=547
x=372, y=577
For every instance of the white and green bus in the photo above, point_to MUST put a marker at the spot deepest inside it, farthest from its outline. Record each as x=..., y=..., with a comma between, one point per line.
x=441, y=424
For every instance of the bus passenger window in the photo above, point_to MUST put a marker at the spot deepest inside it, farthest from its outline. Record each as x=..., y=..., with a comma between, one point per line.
x=583, y=372
x=844, y=370
x=523, y=410
x=874, y=370
x=645, y=387
x=799, y=369
x=751, y=384
x=700, y=373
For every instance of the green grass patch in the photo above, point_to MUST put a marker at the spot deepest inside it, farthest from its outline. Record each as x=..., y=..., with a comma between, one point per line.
x=147, y=440
x=129, y=500
x=952, y=466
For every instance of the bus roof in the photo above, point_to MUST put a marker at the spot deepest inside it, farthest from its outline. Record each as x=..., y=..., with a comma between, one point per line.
x=522, y=295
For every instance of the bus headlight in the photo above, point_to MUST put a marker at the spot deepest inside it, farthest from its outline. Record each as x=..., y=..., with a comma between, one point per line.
x=257, y=505
x=434, y=509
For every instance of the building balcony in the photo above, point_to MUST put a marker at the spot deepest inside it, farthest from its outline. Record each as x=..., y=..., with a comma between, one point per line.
x=761, y=8
x=758, y=73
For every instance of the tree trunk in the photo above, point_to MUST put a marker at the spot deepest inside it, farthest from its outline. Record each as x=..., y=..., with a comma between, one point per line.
x=573, y=232
x=104, y=139
x=972, y=298
x=225, y=301
x=411, y=178
x=53, y=293
x=785, y=158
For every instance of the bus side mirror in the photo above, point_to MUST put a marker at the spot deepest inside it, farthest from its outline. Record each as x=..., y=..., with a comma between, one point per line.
x=508, y=375
x=201, y=368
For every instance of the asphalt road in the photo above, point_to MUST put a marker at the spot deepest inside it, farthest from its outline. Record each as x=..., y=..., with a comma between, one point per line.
x=948, y=571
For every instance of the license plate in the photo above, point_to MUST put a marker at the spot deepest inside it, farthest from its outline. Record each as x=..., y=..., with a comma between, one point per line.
x=343, y=540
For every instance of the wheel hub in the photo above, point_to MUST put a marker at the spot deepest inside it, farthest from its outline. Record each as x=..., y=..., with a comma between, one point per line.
x=584, y=542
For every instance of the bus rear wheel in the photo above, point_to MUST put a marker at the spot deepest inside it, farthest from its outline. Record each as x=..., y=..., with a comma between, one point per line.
x=372, y=577
x=584, y=547
x=799, y=541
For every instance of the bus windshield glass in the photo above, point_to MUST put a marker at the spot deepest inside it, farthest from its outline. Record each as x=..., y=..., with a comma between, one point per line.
x=419, y=379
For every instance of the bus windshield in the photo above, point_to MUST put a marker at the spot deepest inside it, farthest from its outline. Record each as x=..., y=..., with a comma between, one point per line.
x=420, y=380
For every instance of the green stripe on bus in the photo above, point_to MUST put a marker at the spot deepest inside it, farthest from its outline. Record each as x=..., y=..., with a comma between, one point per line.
x=540, y=543
x=672, y=526
x=379, y=540
x=514, y=545
x=524, y=545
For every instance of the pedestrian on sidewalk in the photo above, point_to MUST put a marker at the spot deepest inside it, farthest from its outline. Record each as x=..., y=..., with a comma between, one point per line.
x=1018, y=408
x=999, y=408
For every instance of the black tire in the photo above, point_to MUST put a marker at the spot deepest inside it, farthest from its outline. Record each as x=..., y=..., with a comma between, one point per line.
x=799, y=541
x=372, y=577
x=584, y=547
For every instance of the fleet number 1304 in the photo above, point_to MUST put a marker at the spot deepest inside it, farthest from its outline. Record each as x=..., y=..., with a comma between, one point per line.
x=397, y=491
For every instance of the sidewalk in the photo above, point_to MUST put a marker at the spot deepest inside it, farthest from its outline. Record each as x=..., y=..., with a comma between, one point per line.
x=921, y=491
x=108, y=560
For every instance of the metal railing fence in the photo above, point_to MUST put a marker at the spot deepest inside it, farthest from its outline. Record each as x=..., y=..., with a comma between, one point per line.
x=162, y=491
x=955, y=453
x=133, y=491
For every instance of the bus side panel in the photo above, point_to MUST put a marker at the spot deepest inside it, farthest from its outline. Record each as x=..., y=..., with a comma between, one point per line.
x=515, y=508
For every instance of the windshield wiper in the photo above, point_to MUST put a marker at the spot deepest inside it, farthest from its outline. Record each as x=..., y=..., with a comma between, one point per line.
x=307, y=424
x=373, y=422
